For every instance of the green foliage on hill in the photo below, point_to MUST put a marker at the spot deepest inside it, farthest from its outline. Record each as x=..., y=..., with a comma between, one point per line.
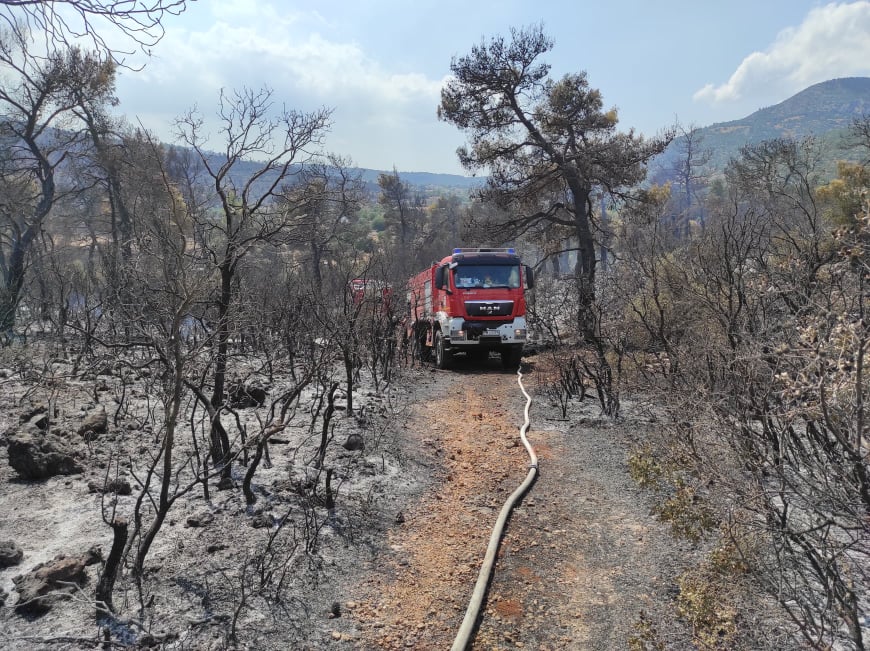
x=824, y=111
x=429, y=183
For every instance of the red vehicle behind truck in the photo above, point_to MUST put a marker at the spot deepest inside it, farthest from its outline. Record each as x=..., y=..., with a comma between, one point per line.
x=472, y=302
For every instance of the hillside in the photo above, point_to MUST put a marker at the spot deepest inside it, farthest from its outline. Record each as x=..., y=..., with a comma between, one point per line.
x=824, y=107
x=429, y=181
x=824, y=110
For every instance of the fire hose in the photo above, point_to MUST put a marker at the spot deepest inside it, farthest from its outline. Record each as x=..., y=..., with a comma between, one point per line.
x=466, y=629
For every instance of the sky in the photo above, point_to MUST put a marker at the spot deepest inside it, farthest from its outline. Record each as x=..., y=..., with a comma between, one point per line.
x=380, y=64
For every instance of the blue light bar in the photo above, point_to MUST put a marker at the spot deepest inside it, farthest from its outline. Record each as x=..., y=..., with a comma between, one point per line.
x=510, y=251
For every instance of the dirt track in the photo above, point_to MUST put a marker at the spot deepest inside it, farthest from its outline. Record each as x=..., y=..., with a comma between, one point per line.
x=581, y=557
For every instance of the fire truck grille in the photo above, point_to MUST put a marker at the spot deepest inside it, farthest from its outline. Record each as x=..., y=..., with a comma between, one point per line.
x=489, y=308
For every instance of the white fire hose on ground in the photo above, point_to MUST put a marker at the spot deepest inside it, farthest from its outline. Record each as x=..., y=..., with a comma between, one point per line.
x=473, y=610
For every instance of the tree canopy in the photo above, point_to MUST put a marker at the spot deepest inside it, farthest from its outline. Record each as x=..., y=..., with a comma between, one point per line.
x=551, y=150
x=547, y=144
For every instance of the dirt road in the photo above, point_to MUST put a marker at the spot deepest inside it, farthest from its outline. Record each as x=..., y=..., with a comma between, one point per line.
x=581, y=557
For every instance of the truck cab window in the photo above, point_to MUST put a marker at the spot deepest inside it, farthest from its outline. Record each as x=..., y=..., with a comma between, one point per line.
x=480, y=276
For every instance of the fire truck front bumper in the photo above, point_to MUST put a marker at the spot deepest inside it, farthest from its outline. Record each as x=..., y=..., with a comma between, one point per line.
x=480, y=333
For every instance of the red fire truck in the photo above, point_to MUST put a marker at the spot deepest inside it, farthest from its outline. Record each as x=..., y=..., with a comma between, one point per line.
x=471, y=302
x=368, y=290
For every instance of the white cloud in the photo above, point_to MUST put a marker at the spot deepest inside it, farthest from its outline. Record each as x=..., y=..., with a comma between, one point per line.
x=242, y=47
x=833, y=41
x=274, y=48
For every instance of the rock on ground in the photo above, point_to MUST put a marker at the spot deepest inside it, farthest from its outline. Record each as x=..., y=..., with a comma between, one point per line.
x=10, y=553
x=39, y=588
x=37, y=455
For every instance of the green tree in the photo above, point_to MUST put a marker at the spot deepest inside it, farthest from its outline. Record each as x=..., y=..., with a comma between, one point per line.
x=322, y=210
x=407, y=222
x=39, y=134
x=549, y=147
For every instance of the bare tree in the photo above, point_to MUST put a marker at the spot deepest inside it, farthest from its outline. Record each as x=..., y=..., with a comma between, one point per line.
x=762, y=316
x=339, y=316
x=649, y=284
x=107, y=168
x=396, y=199
x=61, y=22
x=322, y=208
x=859, y=137
x=169, y=283
x=690, y=173
x=283, y=140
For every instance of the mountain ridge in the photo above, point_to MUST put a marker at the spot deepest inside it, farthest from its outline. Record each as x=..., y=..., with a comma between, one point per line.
x=824, y=110
x=822, y=107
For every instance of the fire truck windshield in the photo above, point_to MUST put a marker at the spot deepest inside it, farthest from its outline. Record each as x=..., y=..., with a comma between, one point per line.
x=486, y=275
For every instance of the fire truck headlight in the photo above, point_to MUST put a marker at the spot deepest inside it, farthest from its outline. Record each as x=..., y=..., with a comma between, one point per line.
x=457, y=334
x=520, y=333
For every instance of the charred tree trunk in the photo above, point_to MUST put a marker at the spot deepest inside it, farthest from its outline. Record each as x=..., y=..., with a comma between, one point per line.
x=588, y=310
x=22, y=239
x=220, y=442
x=106, y=585
x=165, y=499
x=327, y=418
x=262, y=446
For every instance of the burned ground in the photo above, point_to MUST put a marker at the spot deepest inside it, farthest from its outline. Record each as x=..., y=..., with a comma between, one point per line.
x=393, y=563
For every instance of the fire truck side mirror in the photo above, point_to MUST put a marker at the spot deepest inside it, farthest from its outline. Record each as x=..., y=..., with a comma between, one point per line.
x=530, y=276
x=441, y=277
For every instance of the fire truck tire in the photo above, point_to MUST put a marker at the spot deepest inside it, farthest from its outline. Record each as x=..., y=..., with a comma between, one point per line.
x=442, y=355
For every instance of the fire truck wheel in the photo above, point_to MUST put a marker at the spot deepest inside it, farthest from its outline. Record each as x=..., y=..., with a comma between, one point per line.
x=442, y=356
